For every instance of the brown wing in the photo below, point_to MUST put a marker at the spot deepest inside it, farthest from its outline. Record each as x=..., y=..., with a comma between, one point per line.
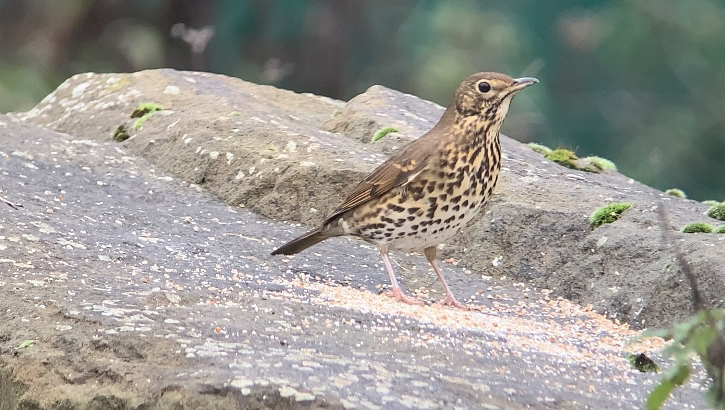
x=397, y=171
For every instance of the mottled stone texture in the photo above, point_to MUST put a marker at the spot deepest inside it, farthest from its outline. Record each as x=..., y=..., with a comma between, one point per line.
x=140, y=270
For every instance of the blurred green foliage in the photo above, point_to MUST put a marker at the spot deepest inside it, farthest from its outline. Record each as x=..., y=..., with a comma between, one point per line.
x=641, y=82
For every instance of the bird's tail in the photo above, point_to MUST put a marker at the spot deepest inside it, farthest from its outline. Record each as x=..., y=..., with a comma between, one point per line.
x=303, y=242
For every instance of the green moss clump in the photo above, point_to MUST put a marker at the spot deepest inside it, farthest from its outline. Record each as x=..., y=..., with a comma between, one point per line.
x=143, y=112
x=643, y=363
x=600, y=163
x=711, y=202
x=541, y=149
x=697, y=227
x=676, y=192
x=568, y=158
x=379, y=134
x=608, y=214
x=720, y=229
x=717, y=212
x=563, y=157
x=121, y=134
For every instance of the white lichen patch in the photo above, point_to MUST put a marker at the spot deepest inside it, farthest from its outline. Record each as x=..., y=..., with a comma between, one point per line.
x=80, y=89
x=171, y=89
x=24, y=265
x=287, y=391
x=240, y=383
x=173, y=124
x=84, y=142
x=70, y=244
x=304, y=397
x=239, y=175
x=30, y=237
x=22, y=154
x=43, y=227
x=49, y=99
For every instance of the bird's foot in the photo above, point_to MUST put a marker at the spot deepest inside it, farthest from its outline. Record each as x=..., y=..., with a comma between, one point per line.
x=398, y=294
x=450, y=300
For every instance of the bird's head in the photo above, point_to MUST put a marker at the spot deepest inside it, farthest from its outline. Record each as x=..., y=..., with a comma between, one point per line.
x=488, y=95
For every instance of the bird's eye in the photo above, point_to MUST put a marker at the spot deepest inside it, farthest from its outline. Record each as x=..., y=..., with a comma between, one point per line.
x=484, y=87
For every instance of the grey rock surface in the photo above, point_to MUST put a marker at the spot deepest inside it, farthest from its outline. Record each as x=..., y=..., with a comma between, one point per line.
x=273, y=151
x=141, y=289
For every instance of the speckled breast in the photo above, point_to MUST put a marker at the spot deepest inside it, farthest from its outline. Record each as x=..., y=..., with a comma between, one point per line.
x=433, y=207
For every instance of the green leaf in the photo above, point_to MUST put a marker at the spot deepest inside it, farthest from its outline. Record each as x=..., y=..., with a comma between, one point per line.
x=682, y=331
x=701, y=340
x=658, y=396
x=712, y=396
x=678, y=374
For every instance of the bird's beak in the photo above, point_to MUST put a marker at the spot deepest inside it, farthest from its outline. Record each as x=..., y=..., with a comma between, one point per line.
x=521, y=83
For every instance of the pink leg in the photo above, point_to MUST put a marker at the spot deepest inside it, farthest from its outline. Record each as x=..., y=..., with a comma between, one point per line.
x=397, y=293
x=450, y=300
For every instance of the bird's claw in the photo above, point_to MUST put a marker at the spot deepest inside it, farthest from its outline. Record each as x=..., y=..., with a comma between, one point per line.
x=398, y=294
x=452, y=302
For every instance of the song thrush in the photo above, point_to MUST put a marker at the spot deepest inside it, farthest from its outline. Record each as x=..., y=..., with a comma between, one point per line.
x=433, y=186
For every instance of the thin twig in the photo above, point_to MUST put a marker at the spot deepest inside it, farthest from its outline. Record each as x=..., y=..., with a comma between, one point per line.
x=12, y=204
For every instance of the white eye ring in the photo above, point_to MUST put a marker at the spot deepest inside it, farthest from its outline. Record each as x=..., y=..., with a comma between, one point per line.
x=484, y=87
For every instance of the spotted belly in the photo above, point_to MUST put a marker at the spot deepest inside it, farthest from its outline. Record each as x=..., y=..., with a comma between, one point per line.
x=412, y=218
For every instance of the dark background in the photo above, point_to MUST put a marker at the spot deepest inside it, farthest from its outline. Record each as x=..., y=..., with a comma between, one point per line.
x=641, y=82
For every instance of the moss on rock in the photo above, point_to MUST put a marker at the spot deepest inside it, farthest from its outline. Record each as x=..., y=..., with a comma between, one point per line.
x=541, y=149
x=121, y=134
x=143, y=112
x=717, y=212
x=608, y=214
x=563, y=157
x=676, y=192
x=697, y=227
x=643, y=363
x=379, y=134
x=602, y=164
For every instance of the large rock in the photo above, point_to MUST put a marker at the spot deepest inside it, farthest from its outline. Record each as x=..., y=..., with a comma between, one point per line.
x=138, y=289
x=275, y=152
